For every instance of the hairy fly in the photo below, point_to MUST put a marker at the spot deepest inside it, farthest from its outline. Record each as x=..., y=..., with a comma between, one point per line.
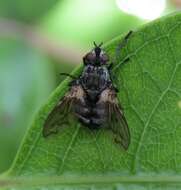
x=92, y=99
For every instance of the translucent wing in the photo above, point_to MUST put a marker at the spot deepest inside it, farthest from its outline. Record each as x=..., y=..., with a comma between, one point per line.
x=60, y=115
x=116, y=120
x=119, y=126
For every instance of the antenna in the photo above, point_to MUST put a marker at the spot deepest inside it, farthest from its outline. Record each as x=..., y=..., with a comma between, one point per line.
x=95, y=44
x=98, y=45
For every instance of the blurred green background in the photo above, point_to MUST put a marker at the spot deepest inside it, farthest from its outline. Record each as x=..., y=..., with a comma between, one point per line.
x=40, y=39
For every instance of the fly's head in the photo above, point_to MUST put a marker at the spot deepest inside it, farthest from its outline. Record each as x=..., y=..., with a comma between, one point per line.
x=97, y=57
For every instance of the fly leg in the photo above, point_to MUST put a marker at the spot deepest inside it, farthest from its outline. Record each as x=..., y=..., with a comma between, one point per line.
x=124, y=42
x=121, y=45
x=82, y=111
x=68, y=75
x=111, y=65
x=83, y=119
x=75, y=80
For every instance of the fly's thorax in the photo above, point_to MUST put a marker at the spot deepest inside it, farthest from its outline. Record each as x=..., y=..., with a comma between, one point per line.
x=95, y=78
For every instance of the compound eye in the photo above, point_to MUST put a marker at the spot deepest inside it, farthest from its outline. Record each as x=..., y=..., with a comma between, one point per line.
x=90, y=56
x=104, y=58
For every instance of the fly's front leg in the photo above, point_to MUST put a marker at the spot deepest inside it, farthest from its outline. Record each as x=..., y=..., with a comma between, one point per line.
x=75, y=81
x=125, y=40
x=110, y=66
x=121, y=45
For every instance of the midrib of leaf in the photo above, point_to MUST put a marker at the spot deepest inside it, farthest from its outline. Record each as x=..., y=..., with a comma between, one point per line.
x=87, y=180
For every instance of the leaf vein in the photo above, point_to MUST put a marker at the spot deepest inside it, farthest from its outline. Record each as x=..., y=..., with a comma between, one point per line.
x=149, y=119
x=60, y=169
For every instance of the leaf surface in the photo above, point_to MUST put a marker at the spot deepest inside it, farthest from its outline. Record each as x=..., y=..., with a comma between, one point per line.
x=150, y=93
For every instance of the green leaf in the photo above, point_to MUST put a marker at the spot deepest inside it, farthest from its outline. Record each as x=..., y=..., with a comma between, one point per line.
x=150, y=92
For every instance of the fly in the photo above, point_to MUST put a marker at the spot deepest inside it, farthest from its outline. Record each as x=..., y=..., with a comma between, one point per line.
x=92, y=99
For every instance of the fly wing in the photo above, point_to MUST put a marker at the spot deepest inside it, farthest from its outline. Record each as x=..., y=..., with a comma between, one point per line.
x=116, y=120
x=119, y=126
x=60, y=115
